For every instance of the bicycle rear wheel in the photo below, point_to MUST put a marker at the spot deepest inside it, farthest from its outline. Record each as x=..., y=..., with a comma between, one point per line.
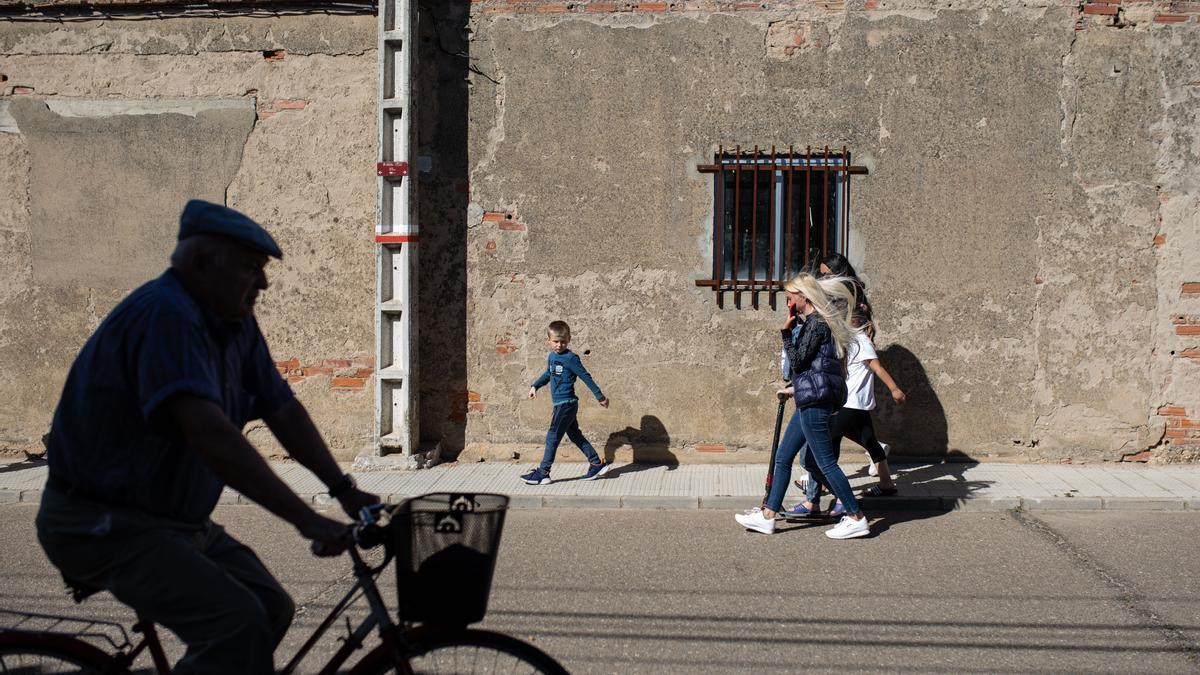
x=475, y=651
x=22, y=653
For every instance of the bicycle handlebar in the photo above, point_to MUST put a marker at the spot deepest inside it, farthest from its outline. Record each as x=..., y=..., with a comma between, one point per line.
x=365, y=532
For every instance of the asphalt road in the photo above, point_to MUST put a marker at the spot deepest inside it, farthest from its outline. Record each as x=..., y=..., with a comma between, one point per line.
x=689, y=591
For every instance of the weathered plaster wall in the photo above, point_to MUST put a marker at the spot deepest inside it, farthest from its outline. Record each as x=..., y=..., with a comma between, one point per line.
x=1028, y=229
x=275, y=116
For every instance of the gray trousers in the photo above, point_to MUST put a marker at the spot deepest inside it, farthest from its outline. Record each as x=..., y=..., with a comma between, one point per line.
x=197, y=581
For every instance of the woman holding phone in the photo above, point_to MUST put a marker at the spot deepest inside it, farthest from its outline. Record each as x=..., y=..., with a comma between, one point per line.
x=818, y=387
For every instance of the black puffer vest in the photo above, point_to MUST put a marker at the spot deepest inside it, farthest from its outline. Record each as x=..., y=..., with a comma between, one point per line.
x=818, y=375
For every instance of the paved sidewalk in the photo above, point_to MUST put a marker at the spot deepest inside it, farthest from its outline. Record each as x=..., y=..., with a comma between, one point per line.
x=923, y=486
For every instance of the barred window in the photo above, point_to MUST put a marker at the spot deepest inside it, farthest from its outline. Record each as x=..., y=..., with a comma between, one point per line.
x=775, y=214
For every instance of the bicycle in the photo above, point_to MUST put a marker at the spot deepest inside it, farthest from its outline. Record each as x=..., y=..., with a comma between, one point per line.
x=444, y=546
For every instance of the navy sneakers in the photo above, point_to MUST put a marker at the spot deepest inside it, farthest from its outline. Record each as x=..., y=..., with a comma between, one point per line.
x=596, y=470
x=537, y=477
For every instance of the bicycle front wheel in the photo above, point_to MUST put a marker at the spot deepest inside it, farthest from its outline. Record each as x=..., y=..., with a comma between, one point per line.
x=50, y=653
x=474, y=651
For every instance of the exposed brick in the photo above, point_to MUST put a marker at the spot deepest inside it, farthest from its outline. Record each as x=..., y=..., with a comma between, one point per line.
x=505, y=345
x=290, y=364
x=490, y=246
x=477, y=406
x=1192, y=329
x=1190, y=288
x=291, y=104
x=293, y=379
x=1143, y=456
x=264, y=114
x=1100, y=9
x=1169, y=18
x=552, y=9
x=1191, y=353
x=511, y=226
x=364, y=372
x=347, y=383
x=336, y=363
x=1176, y=433
x=495, y=216
x=316, y=370
x=472, y=396
x=601, y=7
x=649, y=7
x=1171, y=410
x=22, y=90
x=710, y=447
x=1160, y=239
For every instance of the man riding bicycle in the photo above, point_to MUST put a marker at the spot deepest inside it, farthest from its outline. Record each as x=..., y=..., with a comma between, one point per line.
x=149, y=431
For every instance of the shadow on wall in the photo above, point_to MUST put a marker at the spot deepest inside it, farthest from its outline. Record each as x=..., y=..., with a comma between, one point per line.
x=917, y=428
x=651, y=444
x=441, y=93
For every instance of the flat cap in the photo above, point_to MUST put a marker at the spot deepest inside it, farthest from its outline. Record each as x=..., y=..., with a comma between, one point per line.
x=201, y=217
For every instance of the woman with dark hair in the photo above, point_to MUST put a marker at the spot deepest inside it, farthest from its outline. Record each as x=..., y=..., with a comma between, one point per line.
x=836, y=265
x=853, y=421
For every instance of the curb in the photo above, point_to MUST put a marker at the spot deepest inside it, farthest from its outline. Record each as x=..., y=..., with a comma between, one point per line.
x=322, y=500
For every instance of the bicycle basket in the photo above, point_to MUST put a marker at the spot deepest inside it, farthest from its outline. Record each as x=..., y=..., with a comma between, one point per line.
x=446, y=545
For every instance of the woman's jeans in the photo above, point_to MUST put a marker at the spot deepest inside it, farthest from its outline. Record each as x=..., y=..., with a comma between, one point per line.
x=822, y=459
x=809, y=426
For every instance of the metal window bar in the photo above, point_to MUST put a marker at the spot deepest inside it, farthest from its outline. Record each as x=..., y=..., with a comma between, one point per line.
x=820, y=219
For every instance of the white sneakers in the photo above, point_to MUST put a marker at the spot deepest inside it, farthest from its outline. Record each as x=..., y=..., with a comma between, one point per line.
x=847, y=528
x=871, y=468
x=755, y=520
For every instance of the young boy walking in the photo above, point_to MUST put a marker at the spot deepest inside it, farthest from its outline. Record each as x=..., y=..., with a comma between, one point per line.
x=562, y=368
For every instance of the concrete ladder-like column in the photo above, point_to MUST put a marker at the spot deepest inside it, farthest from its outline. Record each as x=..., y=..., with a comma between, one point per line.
x=396, y=237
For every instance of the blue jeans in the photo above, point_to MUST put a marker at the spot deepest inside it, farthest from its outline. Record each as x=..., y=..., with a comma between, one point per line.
x=791, y=444
x=821, y=460
x=563, y=422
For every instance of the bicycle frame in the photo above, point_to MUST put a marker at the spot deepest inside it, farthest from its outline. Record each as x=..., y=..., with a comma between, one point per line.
x=397, y=638
x=393, y=640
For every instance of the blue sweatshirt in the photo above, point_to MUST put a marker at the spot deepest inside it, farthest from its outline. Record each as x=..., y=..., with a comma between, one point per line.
x=561, y=371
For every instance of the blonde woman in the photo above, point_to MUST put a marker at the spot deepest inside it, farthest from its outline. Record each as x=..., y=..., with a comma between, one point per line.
x=818, y=388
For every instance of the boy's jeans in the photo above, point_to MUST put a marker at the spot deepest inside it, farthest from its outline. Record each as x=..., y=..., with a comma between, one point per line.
x=563, y=422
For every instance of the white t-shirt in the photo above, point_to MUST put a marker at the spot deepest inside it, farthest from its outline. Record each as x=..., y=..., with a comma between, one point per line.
x=860, y=381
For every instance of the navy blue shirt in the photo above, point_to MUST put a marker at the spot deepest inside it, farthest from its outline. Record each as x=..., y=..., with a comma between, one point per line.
x=110, y=441
x=561, y=371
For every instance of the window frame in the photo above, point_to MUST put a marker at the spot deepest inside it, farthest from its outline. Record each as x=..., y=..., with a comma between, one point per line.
x=785, y=168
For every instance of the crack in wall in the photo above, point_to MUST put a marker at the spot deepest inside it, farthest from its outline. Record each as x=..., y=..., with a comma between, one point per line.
x=496, y=134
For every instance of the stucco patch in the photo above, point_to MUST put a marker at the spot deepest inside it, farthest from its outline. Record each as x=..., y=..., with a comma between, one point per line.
x=77, y=160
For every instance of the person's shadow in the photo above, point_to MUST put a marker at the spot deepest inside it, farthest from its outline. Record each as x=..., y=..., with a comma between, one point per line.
x=930, y=475
x=649, y=445
x=917, y=428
